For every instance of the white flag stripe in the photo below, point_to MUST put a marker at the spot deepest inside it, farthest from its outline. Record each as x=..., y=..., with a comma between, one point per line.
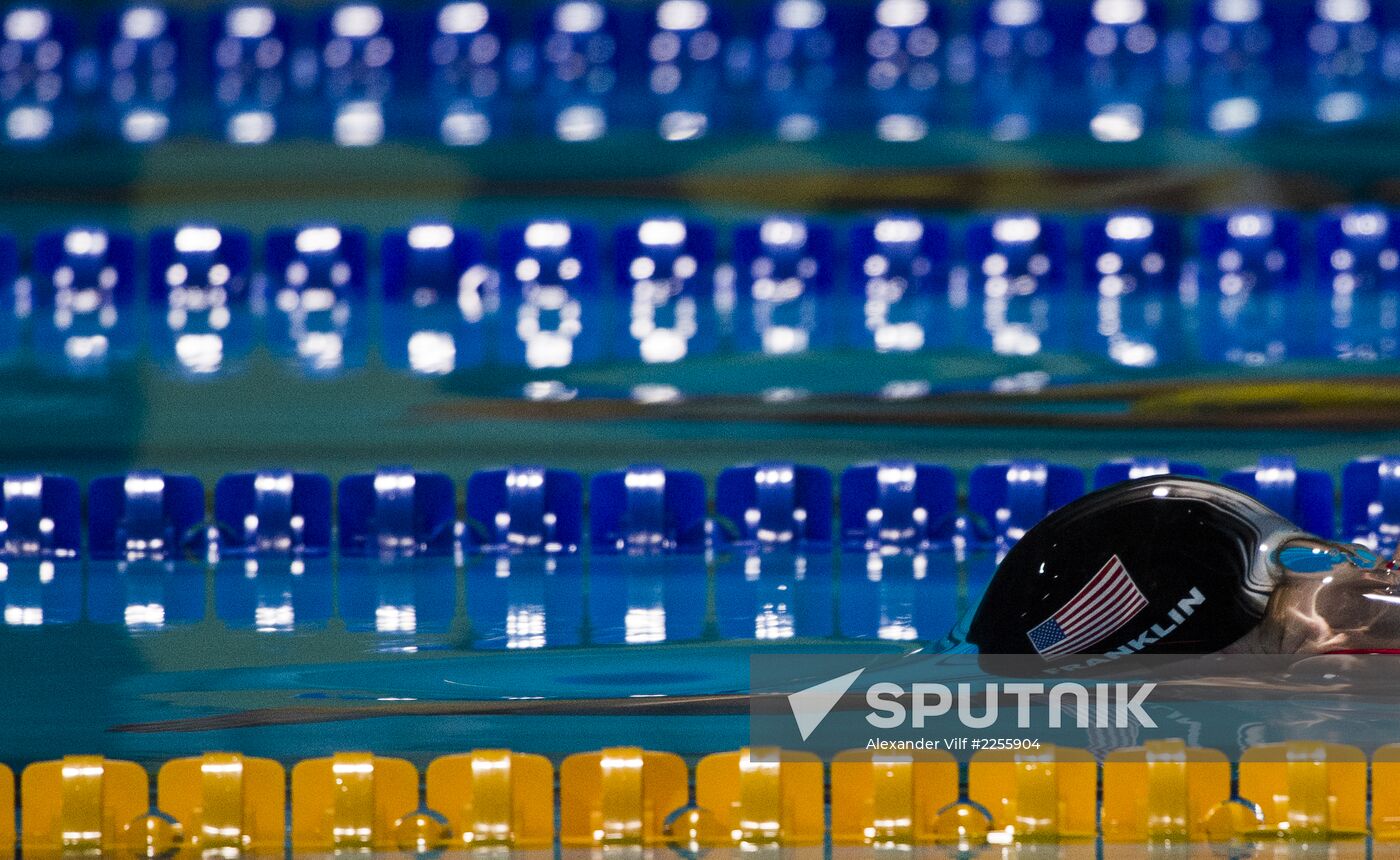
x=1120, y=602
x=1105, y=599
x=1110, y=580
x=1096, y=602
x=1059, y=615
x=1107, y=625
x=1110, y=600
x=1112, y=574
x=1094, y=633
x=1104, y=576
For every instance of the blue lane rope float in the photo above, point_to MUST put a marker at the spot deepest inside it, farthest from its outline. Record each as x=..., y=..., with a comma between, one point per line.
x=641, y=509
x=467, y=72
x=1138, y=289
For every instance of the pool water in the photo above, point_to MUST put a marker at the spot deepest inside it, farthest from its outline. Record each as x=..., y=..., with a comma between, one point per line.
x=149, y=660
x=187, y=655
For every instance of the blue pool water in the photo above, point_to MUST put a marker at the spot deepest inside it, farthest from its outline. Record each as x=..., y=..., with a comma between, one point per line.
x=148, y=660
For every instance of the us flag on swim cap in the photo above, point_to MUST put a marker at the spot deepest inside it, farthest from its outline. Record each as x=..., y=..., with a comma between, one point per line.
x=1101, y=607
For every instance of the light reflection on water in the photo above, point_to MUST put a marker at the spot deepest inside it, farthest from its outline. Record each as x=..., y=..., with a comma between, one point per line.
x=510, y=600
x=159, y=640
x=419, y=637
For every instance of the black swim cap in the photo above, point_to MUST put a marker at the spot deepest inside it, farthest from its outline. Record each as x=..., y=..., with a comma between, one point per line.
x=1159, y=565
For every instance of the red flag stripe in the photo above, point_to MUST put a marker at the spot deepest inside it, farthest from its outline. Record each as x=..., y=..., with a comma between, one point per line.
x=1111, y=598
x=1108, y=601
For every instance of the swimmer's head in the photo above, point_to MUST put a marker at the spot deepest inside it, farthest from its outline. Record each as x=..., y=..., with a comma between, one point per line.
x=1169, y=565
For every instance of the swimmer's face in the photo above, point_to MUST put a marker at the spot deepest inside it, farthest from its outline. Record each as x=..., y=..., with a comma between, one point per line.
x=1328, y=597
